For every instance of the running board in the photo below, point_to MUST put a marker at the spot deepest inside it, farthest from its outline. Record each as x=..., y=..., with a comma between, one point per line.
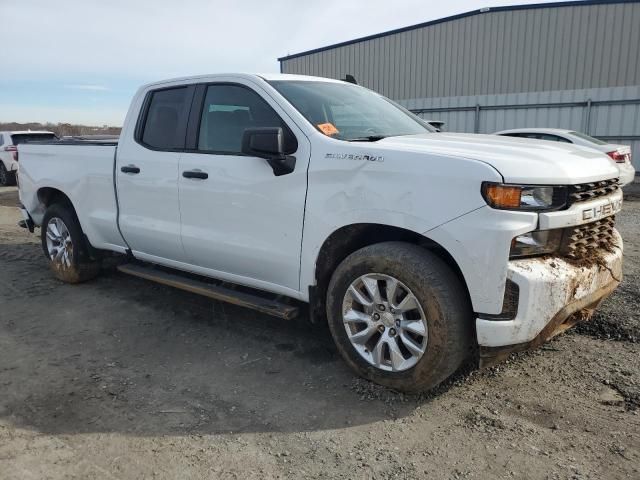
x=244, y=299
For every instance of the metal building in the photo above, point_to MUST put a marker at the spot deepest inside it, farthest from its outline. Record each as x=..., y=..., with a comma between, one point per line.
x=572, y=64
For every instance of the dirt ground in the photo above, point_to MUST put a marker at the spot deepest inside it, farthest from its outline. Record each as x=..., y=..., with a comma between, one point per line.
x=123, y=378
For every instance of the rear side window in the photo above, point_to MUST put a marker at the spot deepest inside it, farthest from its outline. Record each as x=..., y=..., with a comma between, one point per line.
x=228, y=111
x=555, y=138
x=19, y=138
x=537, y=136
x=545, y=136
x=163, y=128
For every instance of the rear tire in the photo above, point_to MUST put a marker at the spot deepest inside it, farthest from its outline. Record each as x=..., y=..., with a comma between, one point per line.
x=426, y=329
x=7, y=178
x=65, y=246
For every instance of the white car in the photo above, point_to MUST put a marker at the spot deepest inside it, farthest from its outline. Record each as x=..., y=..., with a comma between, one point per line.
x=621, y=154
x=420, y=249
x=9, y=142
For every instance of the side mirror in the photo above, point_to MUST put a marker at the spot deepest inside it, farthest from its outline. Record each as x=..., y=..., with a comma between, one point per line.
x=268, y=143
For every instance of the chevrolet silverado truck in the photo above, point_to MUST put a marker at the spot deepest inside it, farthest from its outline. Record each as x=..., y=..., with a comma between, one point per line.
x=421, y=250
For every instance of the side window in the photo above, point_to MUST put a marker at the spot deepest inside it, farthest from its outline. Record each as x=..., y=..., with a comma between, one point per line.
x=230, y=109
x=556, y=138
x=163, y=126
x=1, y=139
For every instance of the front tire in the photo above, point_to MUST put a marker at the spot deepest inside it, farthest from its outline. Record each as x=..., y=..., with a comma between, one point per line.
x=400, y=316
x=65, y=247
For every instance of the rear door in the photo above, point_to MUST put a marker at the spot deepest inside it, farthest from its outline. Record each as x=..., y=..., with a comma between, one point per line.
x=239, y=220
x=147, y=176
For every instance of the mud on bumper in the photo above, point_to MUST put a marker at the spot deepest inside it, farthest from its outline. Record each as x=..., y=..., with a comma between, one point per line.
x=554, y=295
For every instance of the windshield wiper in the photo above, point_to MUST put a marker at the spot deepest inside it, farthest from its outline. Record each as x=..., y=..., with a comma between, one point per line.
x=370, y=138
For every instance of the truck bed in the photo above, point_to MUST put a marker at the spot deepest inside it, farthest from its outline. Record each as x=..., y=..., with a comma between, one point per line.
x=83, y=169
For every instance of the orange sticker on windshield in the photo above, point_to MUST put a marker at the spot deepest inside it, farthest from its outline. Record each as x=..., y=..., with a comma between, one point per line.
x=328, y=129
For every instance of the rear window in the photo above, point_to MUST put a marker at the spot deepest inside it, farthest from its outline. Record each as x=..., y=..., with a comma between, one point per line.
x=588, y=138
x=537, y=136
x=19, y=138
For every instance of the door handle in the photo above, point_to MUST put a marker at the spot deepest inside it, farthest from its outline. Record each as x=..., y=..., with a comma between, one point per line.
x=195, y=174
x=130, y=169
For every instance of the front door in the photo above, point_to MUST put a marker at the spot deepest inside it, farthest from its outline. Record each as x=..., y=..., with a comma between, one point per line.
x=238, y=218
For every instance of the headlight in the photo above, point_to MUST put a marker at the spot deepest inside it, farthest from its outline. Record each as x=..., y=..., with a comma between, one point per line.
x=524, y=197
x=539, y=242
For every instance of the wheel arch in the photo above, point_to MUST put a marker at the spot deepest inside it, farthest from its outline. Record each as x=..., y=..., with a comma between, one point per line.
x=43, y=198
x=345, y=240
x=47, y=196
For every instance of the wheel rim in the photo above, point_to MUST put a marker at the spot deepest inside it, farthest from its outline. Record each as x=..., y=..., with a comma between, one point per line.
x=59, y=244
x=385, y=322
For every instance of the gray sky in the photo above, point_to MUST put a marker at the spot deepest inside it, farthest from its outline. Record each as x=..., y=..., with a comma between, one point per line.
x=82, y=60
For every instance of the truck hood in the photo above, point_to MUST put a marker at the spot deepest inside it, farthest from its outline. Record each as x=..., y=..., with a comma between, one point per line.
x=517, y=160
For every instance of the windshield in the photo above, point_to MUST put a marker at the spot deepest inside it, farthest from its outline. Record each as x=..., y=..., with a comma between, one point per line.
x=19, y=138
x=588, y=138
x=349, y=112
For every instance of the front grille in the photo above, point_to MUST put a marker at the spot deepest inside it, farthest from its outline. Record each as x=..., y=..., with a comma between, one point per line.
x=588, y=191
x=586, y=240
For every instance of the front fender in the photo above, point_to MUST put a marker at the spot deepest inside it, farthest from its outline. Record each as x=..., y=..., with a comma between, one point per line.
x=480, y=242
x=404, y=189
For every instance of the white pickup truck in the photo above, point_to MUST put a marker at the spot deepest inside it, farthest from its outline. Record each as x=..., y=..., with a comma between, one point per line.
x=420, y=249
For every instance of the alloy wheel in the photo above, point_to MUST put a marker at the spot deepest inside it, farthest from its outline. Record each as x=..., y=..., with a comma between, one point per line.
x=385, y=322
x=59, y=243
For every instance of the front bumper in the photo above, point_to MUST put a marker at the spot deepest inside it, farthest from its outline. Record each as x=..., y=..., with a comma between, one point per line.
x=555, y=294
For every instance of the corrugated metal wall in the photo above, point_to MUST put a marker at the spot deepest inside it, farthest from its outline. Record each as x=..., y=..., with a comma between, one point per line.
x=612, y=114
x=524, y=50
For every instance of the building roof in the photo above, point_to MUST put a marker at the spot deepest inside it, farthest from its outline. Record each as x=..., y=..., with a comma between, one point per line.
x=456, y=17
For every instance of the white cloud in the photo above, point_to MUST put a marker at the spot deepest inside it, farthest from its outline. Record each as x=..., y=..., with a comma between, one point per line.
x=93, y=88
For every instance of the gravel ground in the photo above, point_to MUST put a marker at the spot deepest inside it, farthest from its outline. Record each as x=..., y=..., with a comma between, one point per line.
x=122, y=378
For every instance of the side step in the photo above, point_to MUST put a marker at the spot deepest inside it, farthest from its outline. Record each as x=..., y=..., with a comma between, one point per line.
x=244, y=299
